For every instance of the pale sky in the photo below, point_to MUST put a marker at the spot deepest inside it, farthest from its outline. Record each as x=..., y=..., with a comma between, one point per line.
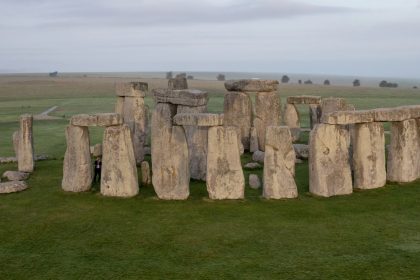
x=354, y=37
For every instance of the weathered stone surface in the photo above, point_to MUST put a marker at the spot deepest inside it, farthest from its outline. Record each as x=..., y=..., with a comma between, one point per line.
x=348, y=117
x=238, y=113
x=414, y=111
x=403, y=163
x=315, y=113
x=369, y=156
x=147, y=151
x=119, y=172
x=396, y=114
x=329, y=165
x=225, y=178
x=13, y=186
x=198, y=119
x=254, y=181
x=292, y=120
x=197, y=139
x=304, y=99
x=119, y=105
x=279, y=164
x=267, y=113
x=178, y=83
x=100, y=119
x=96, y=150
x=188, y=97
x=333, y=104
x=133, y=89
x=77, y=166
x=252, y=165
x=253, y=140
x=301, y=150
x=15, y=175
x=258, y=156
x=146, y=177
x=26, y=145
x=84, y=120
x=252, y=85
x=170, y=164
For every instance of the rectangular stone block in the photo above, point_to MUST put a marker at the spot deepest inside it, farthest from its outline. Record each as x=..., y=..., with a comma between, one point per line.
x=414, y=111
x=304, y=99
x=392, y=114
x=84, y=120
x=100, y=119
x=132, y=89
x=201, y=119
x=348, y=117
x=187, y=97
x=252, y=85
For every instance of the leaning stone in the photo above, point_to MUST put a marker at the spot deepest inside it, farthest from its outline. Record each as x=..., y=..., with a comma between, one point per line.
x=254, y=181
x=15, y=175
x=252, y=165
x=188, y=97
x=132, y=89
x=301, y=150
x=304, y=99
x=267, y=113
x=279, y=164
x=404, y=152
x=348, y=117
x=396, y=114
x=146, y=178
x=109, y=119
x=292, y=120
x=13, y=186
x=329, y=165
x=315, y=113
x=178, y=83
x=369, y=156
x=225, y=178
x=26, y=145
x=258, y=156
x=252, y=85
x=253, y=140
x=119, y=172
x=77, y=166
x=237, y=110
x=198, y=119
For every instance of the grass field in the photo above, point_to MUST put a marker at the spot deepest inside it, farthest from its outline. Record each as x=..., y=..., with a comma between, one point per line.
x=48, y=234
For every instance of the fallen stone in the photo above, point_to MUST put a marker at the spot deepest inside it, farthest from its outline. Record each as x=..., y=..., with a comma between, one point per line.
x=396, y=114
x=301, y=150
x=26, y=146
x=198, y=119
x=132, y=89
x=13, y=186
x=304, y=99
x=258, y=156
x=252, y=85
x=267, y=113
x=146, y=178
x=329, y=165
x=188, y=97
x=225, y=178
x=254, y=181
x=15, y=175
x=252, y=165
x=348, y=117
x=279, y=164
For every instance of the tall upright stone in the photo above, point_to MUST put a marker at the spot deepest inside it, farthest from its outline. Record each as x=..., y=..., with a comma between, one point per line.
x=26, y=145
x=253, y=141
x=178, y=83
x=267, y=113
x=403, y=163
x=315, y=113
x=225, y=178
x=369, y=155
x=119, y=172
x=292, y=120
x=77, y=166
x=329, y=164
x=15, y=141
x=333, y=104
x=279, y=164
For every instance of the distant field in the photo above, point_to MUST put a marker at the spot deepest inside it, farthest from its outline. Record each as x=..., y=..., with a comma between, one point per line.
x=48, y=234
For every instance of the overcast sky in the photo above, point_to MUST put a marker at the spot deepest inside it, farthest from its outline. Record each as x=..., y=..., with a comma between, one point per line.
x=354, y=37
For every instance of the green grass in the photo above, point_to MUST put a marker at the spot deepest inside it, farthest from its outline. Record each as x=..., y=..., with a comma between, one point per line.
x=46, y=233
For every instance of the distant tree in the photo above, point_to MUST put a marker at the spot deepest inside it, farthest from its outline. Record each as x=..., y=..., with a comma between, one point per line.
x=190, y=77
x=387, y=84
x=327, y=83
x=308, y=82
x=356, y=83
x=53, y=74
x=169, y=75
x=221, y=77
x=415, y=87
x=300, y=82
x=285, y=79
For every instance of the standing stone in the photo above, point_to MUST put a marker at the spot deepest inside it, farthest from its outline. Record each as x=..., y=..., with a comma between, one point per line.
x=369, y=155
x=178, y=83
x=170, y=162
x=329, y=165
x=77, y=166
x=197, y=143
x=225, y=178
x=15, y=140
x=254, y=181
x=279, y=164
x=146, y=178
x=26, y=148
x=292, y=120
x=333, y=104
x=119, y=172
x=403, y=164
x=315, y=113
x=238, y=113
x=253, y=142
x=268, y=113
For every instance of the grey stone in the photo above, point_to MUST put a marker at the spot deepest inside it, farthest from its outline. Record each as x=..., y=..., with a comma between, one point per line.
x=254, y=181
x=292, y=120
x=253, y=140
x=301, y=150
x=188, y=97
x=178, y=83
x=146, y=177
x=131, y=89
x=258, y=156
x=304, y=99
x=252, y=165
x=252, y=85
x=12, y=187
x=15, y=175
x=315, y=113
x=267, y=113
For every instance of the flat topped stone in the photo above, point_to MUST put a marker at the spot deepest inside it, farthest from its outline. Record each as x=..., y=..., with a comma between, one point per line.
x=202, y=119
x=252, y=85
x=100, y=119
x=15, y=175
x=131, y=89
x=304, y=99
x=392, y=114
x=348, y=117
x=187, y=97
x=13, y=186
